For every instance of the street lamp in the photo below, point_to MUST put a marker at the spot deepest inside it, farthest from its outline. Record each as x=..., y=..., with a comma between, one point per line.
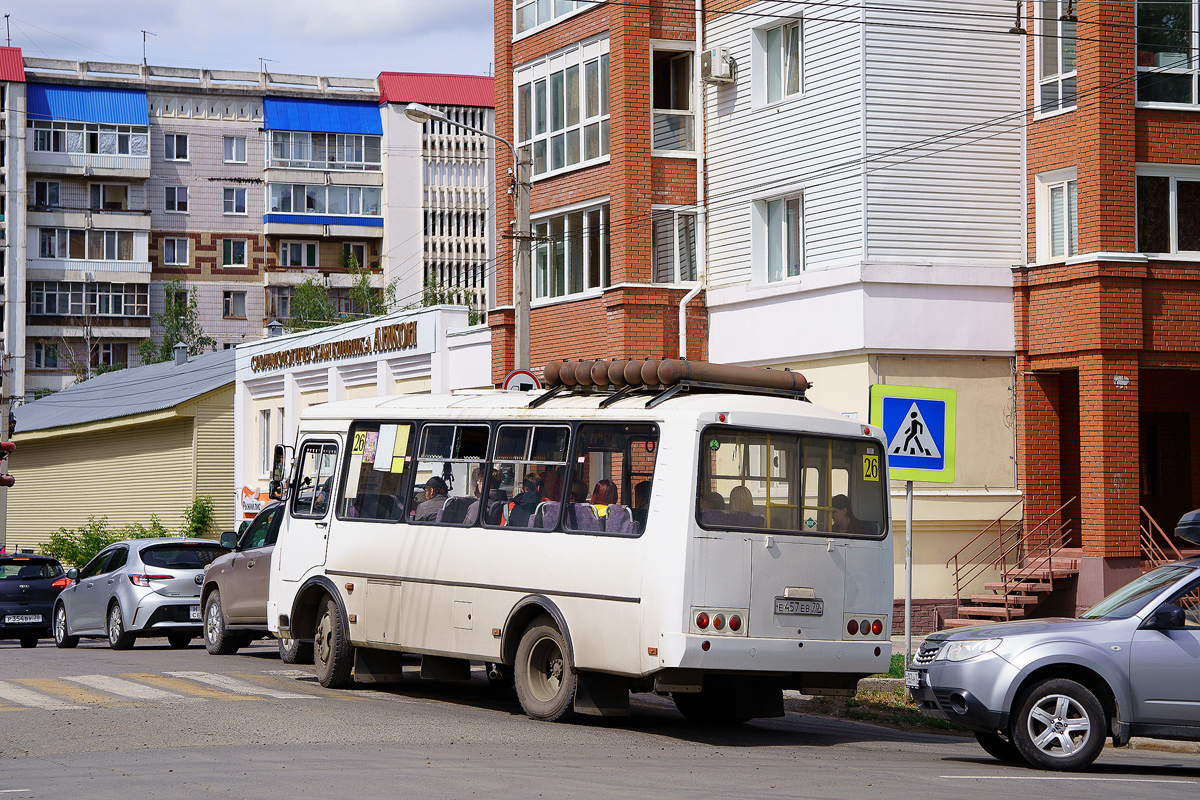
x=522, y=234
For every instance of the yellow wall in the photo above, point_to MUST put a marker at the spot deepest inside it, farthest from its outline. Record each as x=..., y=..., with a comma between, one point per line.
x=213, y=455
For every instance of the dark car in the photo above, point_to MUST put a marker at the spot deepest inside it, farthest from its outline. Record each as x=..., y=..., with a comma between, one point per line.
x=28, y=588
x=234, y=597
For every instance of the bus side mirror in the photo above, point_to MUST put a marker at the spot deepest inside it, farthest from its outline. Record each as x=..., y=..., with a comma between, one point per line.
x=275, y=490
x=278, y=459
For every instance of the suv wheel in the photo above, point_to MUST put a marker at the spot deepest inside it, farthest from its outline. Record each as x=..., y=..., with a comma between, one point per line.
x=1059, y=725
x=217, y=640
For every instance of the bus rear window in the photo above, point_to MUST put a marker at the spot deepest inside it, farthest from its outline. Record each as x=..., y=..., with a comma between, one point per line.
x=789, y=483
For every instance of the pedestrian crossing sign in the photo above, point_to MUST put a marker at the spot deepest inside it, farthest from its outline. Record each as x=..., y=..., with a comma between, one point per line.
x=919, y=423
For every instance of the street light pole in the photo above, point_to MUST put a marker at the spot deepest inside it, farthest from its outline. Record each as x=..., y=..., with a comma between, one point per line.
x=521, y=235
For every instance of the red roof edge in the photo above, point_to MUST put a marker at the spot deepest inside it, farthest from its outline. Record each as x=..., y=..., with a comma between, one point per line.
x=434, y=89
x=12, y=65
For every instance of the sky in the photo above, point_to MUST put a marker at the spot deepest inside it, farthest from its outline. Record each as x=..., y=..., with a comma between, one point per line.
x=343, y=38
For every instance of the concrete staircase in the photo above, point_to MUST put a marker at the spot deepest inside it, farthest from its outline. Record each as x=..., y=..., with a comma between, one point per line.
x=1015, y=596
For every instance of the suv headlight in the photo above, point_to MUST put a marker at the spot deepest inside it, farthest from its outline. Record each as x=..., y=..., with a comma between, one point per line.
x=961, y=651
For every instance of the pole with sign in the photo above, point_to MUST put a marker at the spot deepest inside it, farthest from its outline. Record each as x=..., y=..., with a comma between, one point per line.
x=919, y=424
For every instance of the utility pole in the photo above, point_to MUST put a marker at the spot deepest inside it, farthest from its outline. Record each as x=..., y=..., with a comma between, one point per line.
x=144, y=35
x=5, y=407
x=523, y=237
x=8, y=30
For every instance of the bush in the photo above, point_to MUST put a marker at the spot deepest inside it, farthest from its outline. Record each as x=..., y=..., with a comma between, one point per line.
x=198, y=521
x=77, y=547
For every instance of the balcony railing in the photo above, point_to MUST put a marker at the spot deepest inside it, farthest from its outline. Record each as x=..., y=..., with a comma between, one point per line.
x=116, y=163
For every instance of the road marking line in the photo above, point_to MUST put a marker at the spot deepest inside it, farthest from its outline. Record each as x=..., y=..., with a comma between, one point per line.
x=183, y=687
x=232, y=684
x=68, y=691
x=124, y=688
x=1056, y=778
x=27, y=697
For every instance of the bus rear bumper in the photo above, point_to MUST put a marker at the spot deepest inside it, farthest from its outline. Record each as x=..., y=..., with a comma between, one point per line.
x=745, y=654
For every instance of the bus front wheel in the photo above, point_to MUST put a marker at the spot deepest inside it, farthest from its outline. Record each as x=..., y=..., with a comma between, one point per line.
x=545, y=677
x=332, y=653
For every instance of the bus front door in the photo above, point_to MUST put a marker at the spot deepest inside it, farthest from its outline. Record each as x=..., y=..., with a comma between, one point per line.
x=303, y=541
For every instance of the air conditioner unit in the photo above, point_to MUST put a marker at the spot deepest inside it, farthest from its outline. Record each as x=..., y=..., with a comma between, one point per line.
x=716, y=66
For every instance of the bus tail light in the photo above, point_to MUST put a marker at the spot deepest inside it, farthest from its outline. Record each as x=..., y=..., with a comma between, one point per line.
x=877, y=627
x=719, y=621
x=735, y=623
x=702, y=620
x=852, y=627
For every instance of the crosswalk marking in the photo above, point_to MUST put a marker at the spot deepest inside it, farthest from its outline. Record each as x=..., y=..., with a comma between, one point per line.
x=183, y=686
x=67, y=691
x=124, y=688
x=232, y=684
x=27, y=697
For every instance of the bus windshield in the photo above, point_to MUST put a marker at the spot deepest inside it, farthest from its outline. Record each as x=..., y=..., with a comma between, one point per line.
x=791, y=483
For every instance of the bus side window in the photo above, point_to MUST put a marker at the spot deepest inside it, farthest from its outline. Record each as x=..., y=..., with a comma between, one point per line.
x=314, y=481
x=611, y=463
x=449, y=461
x=529, y=468
x=379, y=461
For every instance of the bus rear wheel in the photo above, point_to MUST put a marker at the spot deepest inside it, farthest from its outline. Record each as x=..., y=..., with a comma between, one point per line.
x=544, y=675
x=332, y=652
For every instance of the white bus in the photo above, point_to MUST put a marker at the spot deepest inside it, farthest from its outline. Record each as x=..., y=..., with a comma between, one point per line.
x=720, y=547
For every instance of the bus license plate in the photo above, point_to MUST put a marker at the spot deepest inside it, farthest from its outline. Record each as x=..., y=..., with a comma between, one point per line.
x=195, y=611
x=792, y=605
x=912, y=679
x=15, y=619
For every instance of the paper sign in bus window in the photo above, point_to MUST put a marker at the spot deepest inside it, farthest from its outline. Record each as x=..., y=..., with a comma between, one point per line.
x=385, y=447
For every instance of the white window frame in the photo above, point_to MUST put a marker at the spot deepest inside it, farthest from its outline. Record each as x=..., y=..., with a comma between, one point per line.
x=176, y=245
x=677, y=218
x=309, y=251
x=662, y=117
x=238, y=146
x=299, y=150
x=230, y=197
x=348, y=249
x=1176, y=173
x=544, y=282
x=764, y=60
x=46, y=188
x=101, y=189
x=531, y=16
x=1045, y=185
x=232, y=259
x=171, y=146
x=43, y=352
x=1059, y=35
x=265, y=450
x=763, y=211
x=171, y=201
x=533, y=85
x=229, y=301
x=1170, y=63
x=359, y=199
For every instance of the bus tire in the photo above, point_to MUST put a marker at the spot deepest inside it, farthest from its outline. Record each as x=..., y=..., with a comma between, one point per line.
x=292, y=651
x=332, y=654
x=543, y=672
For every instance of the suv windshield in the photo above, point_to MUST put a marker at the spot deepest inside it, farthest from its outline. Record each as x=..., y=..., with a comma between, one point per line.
x=182, y=556
x=1129, y=599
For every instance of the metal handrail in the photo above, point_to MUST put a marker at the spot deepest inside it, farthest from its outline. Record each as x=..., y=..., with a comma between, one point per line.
x=1150, y=546
x=981, y=556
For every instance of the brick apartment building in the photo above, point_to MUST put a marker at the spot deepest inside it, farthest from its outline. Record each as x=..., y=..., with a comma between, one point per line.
x=603, y=96
x=1108, y=305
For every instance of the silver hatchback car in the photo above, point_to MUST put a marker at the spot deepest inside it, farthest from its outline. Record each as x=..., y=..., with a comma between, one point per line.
x=1050, y=691
x=139, y=587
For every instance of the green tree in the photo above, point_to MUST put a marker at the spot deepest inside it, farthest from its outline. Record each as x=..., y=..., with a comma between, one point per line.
x=311, y=307
x=180, y=322
x=198, y=519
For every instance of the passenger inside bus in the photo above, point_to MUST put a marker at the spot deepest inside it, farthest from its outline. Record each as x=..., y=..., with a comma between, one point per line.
x=435, y=497
x=526, y=502
x=740, y=499
x=844, y=520
x=603, y=495
x=641, y=503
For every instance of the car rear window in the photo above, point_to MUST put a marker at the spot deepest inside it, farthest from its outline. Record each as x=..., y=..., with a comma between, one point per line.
x=28, y=569
x=182, y=556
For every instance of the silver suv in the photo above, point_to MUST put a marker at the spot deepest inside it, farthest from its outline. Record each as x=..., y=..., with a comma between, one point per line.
x=1050, y=691
x=140, y=587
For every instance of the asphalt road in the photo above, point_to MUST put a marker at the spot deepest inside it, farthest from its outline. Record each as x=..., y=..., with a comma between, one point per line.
x=156, y=722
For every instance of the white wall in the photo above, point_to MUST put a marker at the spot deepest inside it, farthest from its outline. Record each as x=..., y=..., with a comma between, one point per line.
x=403, y=223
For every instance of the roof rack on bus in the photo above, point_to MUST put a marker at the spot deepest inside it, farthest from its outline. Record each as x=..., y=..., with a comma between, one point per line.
x=664, y=379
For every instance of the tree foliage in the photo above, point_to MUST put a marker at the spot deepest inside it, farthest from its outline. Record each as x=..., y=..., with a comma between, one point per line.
x=311, y=307
x=180, y=322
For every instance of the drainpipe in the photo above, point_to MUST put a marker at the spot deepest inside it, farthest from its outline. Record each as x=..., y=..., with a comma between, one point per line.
x=701, y=214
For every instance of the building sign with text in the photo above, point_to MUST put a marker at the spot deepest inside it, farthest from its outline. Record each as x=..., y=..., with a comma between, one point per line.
x=386, y=338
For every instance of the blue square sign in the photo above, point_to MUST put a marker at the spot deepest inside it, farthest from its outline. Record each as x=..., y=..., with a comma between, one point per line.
x=919, y=424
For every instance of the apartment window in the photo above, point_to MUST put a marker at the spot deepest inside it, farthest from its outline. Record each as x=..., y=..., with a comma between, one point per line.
x=530, y=14
x=298, y=254
x=235, y=201
x=235, y=149
x=571, y=252
x=110, y=354
x=76, y=298
x=1166, y=41
x=296, y=198
x=782, y=238
x=562, y=115
x=89, y=138
x=233, y=252
x=94, y=244
x=265, y=451
x=673, y=245
x=1055, y=56
x=1168, y=208
x=176, y=146
x=109, y=196
x=1058, y=224
x=46, y=193
x=782, y=47
x=177, y=199
x=303, y=150
x=671, y=91
x=354, y=255
x=279, y=302
x=45, y=355
x=234, y=305
x=175, y=252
